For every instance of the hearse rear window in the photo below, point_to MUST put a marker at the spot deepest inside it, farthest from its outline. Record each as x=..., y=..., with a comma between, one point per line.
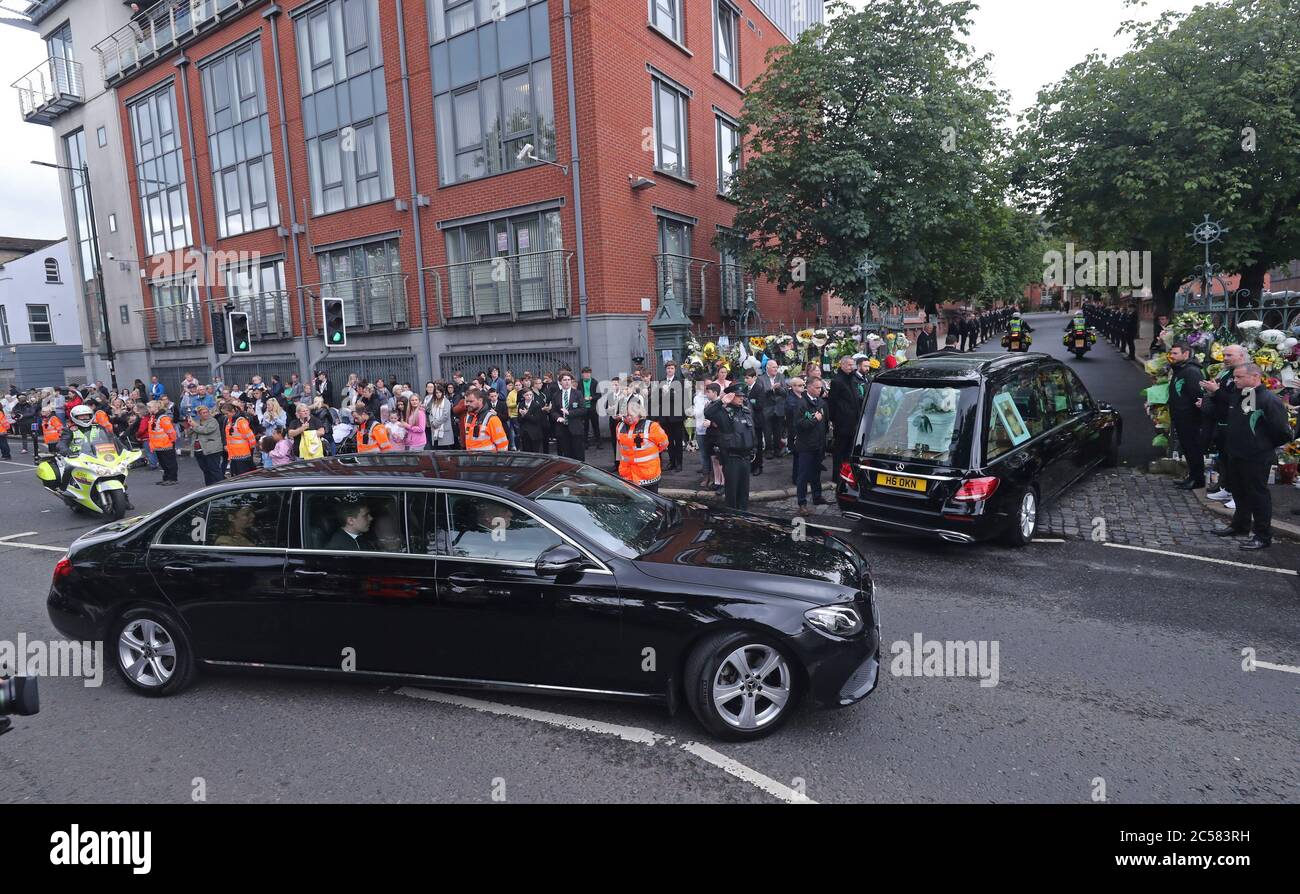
x=920, y=423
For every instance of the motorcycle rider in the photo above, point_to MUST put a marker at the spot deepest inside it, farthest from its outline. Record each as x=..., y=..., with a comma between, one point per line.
x=1017, y=328
x=79, y=436
x=1077, y=327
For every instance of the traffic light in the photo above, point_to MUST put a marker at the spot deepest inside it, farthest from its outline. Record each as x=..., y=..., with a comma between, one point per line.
x=219, y=342
x=240, y=341
x=336, y=330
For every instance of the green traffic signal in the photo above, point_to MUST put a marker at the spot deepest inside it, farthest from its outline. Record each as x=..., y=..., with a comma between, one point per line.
x=338, y=336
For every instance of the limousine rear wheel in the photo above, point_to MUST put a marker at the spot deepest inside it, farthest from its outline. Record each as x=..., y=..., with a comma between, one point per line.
x=740, y=685
x=1025, y=521
x=153, y=652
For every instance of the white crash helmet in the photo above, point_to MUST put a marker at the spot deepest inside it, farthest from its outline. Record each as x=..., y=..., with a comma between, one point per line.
x=83, y=415
x=1016, y=315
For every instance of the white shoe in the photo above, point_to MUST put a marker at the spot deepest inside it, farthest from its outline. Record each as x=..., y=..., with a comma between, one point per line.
x=1231, y=504
x=1220, y=495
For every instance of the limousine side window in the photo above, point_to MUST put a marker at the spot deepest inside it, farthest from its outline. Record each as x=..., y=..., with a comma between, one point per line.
x=1016, y=414
x=354, y=521
x=248, y=519
x=480, y=527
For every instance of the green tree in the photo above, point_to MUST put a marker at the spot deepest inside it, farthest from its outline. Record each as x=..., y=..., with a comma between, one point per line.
x=876, y=133
x=1201, y=116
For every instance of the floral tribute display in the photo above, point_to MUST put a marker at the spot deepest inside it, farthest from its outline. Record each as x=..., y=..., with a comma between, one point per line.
x=792, y=351
x=1276, y=352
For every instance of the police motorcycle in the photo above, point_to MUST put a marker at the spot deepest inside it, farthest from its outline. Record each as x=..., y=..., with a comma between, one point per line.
x=1017, y=337
x=89, y=471
x=1079, y=336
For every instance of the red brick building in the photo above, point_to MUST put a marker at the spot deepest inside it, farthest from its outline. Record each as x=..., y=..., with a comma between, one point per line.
x=418, y=159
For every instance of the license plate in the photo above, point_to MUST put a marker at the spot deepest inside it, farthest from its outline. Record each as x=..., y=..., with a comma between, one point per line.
x=1078, y=343
x=901, y=482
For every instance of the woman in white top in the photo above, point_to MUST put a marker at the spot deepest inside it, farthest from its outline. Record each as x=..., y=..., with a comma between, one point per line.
x=442, y=432
x=710, y=466
x=272, y=416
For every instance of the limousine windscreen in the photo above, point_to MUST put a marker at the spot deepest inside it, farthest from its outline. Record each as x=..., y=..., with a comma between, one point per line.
x=920, y=423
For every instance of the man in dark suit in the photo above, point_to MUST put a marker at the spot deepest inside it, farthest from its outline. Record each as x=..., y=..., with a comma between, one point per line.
x=354, y=533
x=325, y=388
x=950, y=344
x=768, y=396
x=671, y=412
x=569, y=418
x=927, y=342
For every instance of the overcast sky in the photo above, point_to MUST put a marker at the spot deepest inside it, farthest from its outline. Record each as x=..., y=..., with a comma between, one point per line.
x=1033, y=43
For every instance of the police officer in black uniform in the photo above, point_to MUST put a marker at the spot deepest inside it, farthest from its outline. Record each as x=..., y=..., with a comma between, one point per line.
x=734, y=421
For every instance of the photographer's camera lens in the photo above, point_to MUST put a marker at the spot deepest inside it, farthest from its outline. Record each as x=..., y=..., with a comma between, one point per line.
x=18, y=696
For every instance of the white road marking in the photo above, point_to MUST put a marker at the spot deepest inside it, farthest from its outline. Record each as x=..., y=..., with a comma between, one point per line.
x=1161, y=552
x=1048, y=540
x=23, y=534
x=52, y=549
x=633, y=734
x=1284, y=668
x=15, y=472
x=10, y=462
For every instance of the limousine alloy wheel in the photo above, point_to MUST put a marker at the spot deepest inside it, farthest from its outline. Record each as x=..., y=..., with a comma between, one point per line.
x=153, y=652
x=740, y=686
x=1025, y=521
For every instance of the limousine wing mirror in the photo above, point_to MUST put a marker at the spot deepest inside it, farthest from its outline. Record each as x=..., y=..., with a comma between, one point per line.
x=560, y=559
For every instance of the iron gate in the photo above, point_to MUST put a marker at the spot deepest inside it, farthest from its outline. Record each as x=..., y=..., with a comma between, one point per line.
x=171, y=376
x=396, y=367
x=242, y=373
x=517, y=362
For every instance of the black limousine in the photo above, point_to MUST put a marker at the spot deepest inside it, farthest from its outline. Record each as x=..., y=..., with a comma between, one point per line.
x=518, y=572
x=967, y=447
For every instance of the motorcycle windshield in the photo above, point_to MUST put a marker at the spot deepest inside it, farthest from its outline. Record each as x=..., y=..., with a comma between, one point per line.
x=101, y=447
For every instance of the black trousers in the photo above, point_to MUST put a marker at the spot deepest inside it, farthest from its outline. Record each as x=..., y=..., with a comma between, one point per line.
x=675, y=428
x=569, y=444
x=240, y=466
x=210, y=466
x=808, y=468
x=775, y=429
x=167, y=459
x=4, y=447
x=1254, y=502
x=1189, y=438
x=735, y=482
x=591, y=425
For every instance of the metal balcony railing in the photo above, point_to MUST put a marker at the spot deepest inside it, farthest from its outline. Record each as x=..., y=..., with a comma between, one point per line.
x=269, y=315
x=688, y=277
x=49, y=90
x=370, y=303
x=162, y=28
x=173, y=325
x=507, y=287
x=731, y=289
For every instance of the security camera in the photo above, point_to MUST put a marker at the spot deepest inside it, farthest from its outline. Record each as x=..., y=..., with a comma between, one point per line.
x=526, y=153
x=109, y=256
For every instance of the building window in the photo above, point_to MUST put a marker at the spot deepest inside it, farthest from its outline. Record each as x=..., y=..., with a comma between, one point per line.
x=124, y=313
x=176, y=312
x=239, y=141
x=38, y=324
x=492, y=86
x=368, y=279
x=63, y=63
x=726, y=41
x=74, y=153
x=675, y=259
x=512, y=262
x=4, y=325
x=731, y=275
x=728, y=143
x=258, y=290
x=160, y=172
x=102, y=136
x=112, y=223
x=52, y=270
x=666, y=16
x=344, y=105
x=671, y=134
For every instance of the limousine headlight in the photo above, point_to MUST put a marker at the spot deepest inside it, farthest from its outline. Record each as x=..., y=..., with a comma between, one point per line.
x=837, y=620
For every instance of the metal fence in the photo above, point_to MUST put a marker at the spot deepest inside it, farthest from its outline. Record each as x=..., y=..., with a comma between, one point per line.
x=392, y=368
x=171, y=376
x=689, y=278
x=517, y=362
x=1276, y=310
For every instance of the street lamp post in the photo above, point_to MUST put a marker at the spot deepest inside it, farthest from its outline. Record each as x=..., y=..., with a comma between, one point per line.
x=109, y=355
x=867, y=268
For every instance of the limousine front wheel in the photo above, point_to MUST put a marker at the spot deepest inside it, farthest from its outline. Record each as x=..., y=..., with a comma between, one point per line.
x=739, y=685
x=153, y=652
x=1025, y=521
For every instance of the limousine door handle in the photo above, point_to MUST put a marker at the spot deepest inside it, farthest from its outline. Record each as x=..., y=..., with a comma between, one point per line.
x=310, y=573
x=464, y=580
x=178, y=569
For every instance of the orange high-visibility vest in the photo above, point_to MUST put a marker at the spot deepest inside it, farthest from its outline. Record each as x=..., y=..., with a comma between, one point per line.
x=101, y=419
x=640, y=465
x=52, y=428
x=485, y=434
x=162, y=434
x=4, y=423
x=375, y=440
x=239, y=438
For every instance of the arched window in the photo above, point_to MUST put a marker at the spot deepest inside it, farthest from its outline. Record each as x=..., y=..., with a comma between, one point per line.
x=52, y=270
